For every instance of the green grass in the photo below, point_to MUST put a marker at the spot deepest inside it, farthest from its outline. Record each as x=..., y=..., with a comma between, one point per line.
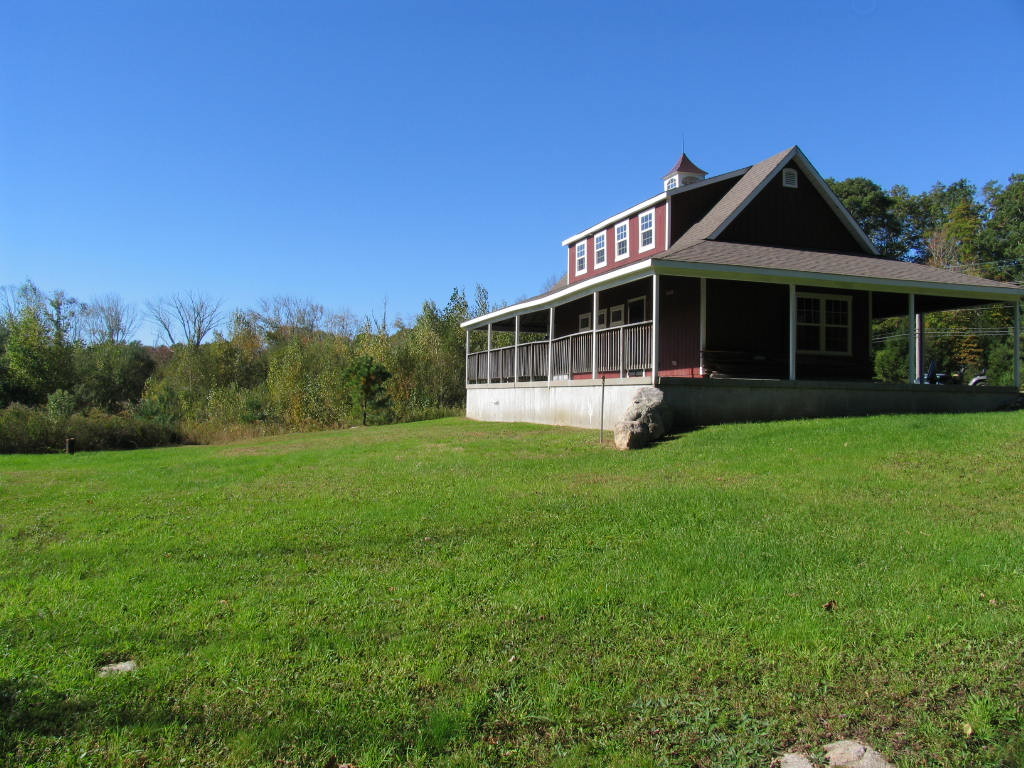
x=452, y=593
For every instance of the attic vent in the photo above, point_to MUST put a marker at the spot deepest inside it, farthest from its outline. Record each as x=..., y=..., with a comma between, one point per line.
x=789, y=177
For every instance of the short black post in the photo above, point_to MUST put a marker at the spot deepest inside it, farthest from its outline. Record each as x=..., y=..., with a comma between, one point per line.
x=69, y=446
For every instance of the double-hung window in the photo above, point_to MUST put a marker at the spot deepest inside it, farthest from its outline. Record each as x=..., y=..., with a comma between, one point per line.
x=581, y=257
x=647, y=230
x=823, y=323
x=622, y=240
x=600, y=249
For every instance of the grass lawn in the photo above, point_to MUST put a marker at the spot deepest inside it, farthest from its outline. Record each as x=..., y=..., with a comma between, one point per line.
x=451, y=593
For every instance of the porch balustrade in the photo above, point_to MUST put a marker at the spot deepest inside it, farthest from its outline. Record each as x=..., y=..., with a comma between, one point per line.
x=623, y=350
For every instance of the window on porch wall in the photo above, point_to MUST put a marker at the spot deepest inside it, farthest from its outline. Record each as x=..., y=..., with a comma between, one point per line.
x=823, y=324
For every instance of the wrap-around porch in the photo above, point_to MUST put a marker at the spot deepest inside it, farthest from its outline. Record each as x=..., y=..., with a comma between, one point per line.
x=663, y=326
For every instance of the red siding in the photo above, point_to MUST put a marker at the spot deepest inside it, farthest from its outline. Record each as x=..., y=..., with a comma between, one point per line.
x=679, y=327
x=634, y=246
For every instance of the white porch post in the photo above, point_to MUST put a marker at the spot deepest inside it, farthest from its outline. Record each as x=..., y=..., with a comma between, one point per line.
x=792, y=332
x=515, y=353
x=551, y=341
x=655, y=311
x=919, y=345
x=467, y=357
x=911, y=341
x=489, y=339
x=1016, y=343
x=703, y=322
x=593, y=339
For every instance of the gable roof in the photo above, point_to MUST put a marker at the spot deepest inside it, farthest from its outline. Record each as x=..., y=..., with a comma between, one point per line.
x=754, y=180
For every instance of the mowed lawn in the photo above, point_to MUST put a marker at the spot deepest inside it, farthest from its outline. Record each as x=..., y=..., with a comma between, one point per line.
x=453, y=593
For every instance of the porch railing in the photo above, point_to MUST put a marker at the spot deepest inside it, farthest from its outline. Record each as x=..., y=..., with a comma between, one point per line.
x=625, y=350
x=571, y=355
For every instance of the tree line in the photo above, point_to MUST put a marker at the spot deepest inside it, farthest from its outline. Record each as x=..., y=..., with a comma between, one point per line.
x=285, y=364
x=950, y=226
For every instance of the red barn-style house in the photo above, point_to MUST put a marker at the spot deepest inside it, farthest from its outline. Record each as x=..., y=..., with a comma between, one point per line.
x=747, y=295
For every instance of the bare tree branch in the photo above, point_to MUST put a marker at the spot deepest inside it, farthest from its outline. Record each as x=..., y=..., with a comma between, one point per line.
x=189, y=316
x=110, y=318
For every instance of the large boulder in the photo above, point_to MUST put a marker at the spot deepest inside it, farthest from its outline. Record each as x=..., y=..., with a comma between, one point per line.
x=630, y=434
x=646, y=419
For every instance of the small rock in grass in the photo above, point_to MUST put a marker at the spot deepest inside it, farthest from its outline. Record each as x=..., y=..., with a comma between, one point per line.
x=119, y=668
x=840, y=754
x=794, y=760
x=853, y=754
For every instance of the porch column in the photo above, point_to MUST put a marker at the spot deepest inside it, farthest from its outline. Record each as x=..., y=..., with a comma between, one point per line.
x=792, y=332
x=489, y=338
x=551, y=341
x=467, y=357
x=911, y=341
x=1016, y=343
x=703, y=322
x=515, y=353
x=655, y=310
x=919, y=344
x=593, y=339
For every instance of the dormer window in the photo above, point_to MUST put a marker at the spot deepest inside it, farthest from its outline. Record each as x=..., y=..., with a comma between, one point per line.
x=622, y=240
x=647, y=230
x=789, y=178
x=581, y=257
x=600, y=249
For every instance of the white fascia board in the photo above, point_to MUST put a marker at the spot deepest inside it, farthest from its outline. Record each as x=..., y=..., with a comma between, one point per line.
x=824, y=280
x=620, y=276
x=706, y=182
x=617, y=217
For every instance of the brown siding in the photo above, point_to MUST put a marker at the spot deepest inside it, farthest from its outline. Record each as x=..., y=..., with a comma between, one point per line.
x=748, y=334
x=692, y=205
x=791, y=218
x=679, y=327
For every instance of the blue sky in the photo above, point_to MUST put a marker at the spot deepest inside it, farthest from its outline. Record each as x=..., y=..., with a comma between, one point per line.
x=352, y=153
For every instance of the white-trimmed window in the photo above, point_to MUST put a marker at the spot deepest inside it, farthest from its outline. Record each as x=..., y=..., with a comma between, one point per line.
x=600, y=249
x=581, y=257
x=602, y=318
x=672, y=183
x=585, y=321
x=823, y=323
x=616, y=315
x=647, y=230
x=622, y=240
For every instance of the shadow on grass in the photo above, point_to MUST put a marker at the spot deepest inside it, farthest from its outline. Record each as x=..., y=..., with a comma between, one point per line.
x=30, y=708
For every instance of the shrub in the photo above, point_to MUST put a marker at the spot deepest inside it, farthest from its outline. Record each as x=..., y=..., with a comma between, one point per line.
x=31, y=430
x=26, y=430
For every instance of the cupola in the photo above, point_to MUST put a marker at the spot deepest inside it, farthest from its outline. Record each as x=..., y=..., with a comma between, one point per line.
x=683, y=172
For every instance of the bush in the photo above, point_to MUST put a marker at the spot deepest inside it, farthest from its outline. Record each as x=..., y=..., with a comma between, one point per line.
x=27, y=430
x=31, y=430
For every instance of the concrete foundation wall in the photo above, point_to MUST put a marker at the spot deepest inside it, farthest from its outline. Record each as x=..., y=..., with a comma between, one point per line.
x=567, y=404
x=701, y=401
x=696, y=402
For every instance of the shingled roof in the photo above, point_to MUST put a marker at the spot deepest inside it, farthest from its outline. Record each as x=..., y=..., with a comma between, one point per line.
x=852, y=265
x=685, y=165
